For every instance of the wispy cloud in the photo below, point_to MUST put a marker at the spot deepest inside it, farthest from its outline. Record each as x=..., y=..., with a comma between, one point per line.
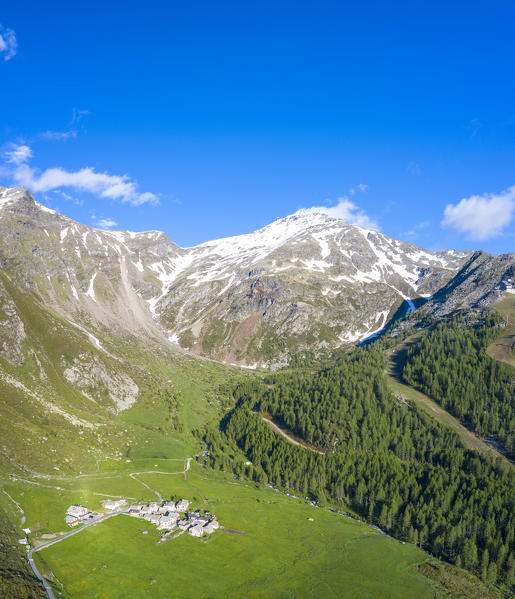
x=8, y=43
x=114, y=187
x=58, y=135
x=417, y=229
x=105, y=223
x=68, y=197
x=413, y=168
x=359, y=187
x=64, y=195
x=17, y=153
x=474, y=126
x=78, y=115
x=481, y=217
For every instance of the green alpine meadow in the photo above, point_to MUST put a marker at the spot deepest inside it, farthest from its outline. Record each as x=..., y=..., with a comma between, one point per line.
x=131, y=465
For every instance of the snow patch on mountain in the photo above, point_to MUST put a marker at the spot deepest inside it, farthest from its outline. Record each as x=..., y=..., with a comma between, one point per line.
x=91, y=288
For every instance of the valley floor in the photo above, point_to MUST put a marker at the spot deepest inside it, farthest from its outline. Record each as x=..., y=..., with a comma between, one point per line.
x=284, y=547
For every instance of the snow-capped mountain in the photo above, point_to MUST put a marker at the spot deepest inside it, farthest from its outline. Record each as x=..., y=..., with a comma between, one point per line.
x=307, y=280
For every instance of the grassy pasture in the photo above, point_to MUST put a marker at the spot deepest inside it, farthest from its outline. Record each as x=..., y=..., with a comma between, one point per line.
x=503, y=348
x=280, y=554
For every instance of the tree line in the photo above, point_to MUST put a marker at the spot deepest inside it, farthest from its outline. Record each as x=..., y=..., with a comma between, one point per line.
x=452, y=366
x=385, y=459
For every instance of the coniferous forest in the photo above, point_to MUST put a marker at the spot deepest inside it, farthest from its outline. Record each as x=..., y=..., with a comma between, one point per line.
x=451, y=365
x=382, y=457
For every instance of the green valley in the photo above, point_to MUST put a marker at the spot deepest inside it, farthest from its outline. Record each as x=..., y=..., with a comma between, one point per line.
x=271, y=546
x=343, y=470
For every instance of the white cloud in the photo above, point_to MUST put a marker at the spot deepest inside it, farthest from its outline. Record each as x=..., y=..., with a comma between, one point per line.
x=58, y=135
x=416, y=229
x=17, y=153
x=8, y=43
x=106, y=223
x=413, y=168
x=349, y=212
x=474, y=126
x=78, y=115
x=68, y=197
x=360, y=187
x=113, y=187
x=481, y=217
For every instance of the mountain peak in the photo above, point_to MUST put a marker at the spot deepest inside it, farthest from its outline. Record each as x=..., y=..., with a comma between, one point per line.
x=10, y=195
x=310, y=217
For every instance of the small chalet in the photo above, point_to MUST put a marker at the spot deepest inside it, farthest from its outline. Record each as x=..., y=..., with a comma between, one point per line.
x=182, y=505
x=196, y=531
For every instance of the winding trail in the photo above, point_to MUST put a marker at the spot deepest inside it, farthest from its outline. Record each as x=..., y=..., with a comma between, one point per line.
x=288, y=437
x=133, y=476
x=15, y=502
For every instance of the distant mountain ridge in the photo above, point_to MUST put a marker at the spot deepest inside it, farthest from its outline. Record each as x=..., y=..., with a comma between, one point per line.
x=307, y=280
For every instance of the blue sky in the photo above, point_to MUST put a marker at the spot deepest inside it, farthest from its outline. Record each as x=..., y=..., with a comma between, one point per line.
x=212, y=119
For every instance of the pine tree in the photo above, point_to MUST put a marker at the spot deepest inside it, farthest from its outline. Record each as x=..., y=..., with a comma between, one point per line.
x=484, y=565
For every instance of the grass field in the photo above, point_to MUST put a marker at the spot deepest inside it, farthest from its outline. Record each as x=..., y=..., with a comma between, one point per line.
x=277, y=553
x=503, y=348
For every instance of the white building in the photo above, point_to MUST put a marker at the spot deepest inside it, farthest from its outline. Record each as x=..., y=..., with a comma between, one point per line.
x=166, y=523
x=71, y=520
x=113, y=504
x=196, y=531
x=154, y=518
x=184, y=524
x=182, y=505
x=78, y=511
x=174, y=515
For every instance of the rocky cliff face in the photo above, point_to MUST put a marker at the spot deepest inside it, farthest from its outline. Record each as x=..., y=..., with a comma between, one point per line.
x=476, y=285
x=307, y=280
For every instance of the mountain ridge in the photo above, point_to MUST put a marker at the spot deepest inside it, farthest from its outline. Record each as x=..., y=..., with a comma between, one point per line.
x=305, y=280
